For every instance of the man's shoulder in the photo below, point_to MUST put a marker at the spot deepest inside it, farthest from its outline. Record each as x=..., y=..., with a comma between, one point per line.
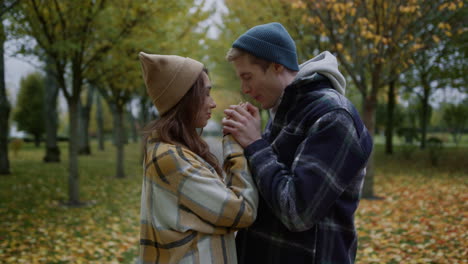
x=322, y=96
x=314, y=103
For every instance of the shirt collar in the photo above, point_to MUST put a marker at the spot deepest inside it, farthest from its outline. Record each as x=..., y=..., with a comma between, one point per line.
x=274, y=109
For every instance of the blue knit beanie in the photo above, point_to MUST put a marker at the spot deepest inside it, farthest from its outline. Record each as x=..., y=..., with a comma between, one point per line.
x=270, y=42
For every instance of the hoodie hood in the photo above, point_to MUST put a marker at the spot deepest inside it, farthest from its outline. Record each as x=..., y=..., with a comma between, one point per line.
x=325, y=64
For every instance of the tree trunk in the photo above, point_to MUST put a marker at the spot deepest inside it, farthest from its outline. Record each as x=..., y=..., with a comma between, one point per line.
x=85, y=113
x=100, y=123
x=50, y=97
x=119, y=134
x=390, y=123
x=73, y=177
x=425, y=113
x=4, y=111
x=144, y=117
x=124, y=130
x=113, y=109
x=369, y=105
x=37, y=140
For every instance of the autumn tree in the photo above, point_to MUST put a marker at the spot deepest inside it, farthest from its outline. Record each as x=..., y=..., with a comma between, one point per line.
x=4, y=109
x=178, y=30
x=118, y=76
x=117, y=89
x=241, y=15
x=70, y=34
x=85, y=107
x=5, y=6
x=456, y=119
x=29, y=112
x=99, y=122
x=374, y=41
x=51, y=92
x=441, y=64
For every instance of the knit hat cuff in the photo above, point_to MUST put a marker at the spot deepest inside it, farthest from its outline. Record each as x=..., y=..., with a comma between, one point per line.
x=267, y=51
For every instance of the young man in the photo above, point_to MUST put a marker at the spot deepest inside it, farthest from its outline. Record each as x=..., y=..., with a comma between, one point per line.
x=309, y=164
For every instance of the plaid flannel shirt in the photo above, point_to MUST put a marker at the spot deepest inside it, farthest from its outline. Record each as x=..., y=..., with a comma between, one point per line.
x=309, y=169
x=188, y=212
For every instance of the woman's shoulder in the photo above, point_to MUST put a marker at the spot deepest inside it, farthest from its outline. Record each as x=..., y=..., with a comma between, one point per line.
x=169, y=160
x=167, y=153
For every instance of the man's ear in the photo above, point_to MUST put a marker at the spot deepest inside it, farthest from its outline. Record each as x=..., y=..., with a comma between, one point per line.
x=278, y=68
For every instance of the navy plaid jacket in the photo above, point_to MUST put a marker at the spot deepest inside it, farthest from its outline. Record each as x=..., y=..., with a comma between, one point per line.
x=309, y=168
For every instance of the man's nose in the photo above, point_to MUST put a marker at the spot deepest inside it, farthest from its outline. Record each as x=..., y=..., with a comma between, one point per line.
x=245, y=88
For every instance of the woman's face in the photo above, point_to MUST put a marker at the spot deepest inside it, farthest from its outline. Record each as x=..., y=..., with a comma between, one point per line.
x=205, y=112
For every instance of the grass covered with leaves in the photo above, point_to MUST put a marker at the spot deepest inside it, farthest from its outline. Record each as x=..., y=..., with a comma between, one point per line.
x=36, y=228
x=422, y=218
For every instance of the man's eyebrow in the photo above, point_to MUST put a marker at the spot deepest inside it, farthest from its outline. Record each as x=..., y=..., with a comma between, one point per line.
x=244, y=73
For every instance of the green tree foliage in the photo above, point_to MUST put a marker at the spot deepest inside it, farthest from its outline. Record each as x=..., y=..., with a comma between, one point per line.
x=29, y=112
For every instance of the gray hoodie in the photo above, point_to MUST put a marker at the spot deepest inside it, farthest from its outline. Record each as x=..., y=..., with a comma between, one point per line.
x=326, y=64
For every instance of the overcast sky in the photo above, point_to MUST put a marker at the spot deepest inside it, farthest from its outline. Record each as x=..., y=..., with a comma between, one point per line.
x=16, y=68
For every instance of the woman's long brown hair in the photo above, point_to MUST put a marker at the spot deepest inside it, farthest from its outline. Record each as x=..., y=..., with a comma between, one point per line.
x=178, y=125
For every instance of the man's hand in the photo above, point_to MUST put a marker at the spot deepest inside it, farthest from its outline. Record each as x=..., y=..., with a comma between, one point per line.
x=243, y=122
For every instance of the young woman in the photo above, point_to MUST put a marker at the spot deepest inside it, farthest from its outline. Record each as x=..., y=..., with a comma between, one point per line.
x=190, y=207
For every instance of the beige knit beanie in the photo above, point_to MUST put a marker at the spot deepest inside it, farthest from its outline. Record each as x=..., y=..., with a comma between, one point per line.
x=168, y=78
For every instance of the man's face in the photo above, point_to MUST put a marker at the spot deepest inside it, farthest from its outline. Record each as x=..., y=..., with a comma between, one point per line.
x=263, y=87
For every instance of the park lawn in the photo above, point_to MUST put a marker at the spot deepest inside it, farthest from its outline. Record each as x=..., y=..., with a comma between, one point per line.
x=35, y=228
x=422, y=218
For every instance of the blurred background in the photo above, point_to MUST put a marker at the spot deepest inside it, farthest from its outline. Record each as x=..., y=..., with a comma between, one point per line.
x=73, y=104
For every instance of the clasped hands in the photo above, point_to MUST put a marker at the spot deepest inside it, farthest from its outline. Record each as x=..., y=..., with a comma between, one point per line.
x=242, y=121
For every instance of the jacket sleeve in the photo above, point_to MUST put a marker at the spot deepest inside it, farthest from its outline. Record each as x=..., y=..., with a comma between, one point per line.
x=230, y=203
x=326, y=161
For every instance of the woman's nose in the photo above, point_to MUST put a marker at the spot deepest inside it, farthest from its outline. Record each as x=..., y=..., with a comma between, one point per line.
x=213, y=103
